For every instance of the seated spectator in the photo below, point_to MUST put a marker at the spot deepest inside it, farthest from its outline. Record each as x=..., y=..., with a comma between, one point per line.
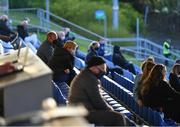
x=157, y=93
x=146, y=68
x=61, y=37
x=67, y=35
x=62, y=63
x=46, y=49
x=101, y=50
x=92, y=50
x=24, y=34
x=119, y=59
x=22, y=29
x=174, y=77
x=84, y=90
x=4, y=26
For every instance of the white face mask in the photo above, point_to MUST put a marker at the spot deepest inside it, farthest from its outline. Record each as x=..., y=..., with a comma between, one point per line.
x=62, y=38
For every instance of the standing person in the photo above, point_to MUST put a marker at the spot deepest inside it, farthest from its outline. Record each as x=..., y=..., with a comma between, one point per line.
x=62, y=63
x=84, y=89
x=92, y=50
x=166, y=50
x=46, y=49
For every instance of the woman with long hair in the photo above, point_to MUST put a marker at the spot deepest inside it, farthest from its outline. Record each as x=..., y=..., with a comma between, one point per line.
x=147, y=66
x=159, y=95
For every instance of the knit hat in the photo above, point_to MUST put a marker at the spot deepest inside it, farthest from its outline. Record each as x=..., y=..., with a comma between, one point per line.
x=95, y=61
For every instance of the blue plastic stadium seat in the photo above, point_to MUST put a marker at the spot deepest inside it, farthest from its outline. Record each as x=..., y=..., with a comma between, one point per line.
x=79, y=63
x=58, y=95
x=64, y=89
x=80, y=54
x=125, y=82
x=128, y=75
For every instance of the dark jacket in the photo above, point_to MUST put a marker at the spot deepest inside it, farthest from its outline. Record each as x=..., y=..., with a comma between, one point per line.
x=68, y=37
x=118, y=58
x=84, y=89
x=22, y=31
x=174, y=81
x=5, y=29
x=61, y=60
x=161, y=95
x=91, y=53
x=45, y=51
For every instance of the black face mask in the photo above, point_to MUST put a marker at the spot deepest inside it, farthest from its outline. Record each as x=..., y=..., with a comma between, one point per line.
x=101, y=74
x=96, y=48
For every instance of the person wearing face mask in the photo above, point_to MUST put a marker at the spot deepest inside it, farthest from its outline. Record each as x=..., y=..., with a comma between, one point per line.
x=61, y=37
x=46, y=49
x=93, y=50
x=67, y=34
x=84, y=89
x=62, y=63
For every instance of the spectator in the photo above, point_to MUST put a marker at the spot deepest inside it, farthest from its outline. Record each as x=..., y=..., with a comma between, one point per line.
x=62, y=63
x=157, y=93
x=4, y=26
x=67, y=35
x=101, y=50
x=146, y=68
x=22, y=29
x=24, y=34
x=84, y=89
x=92, y=51
x=46, y=49
x=61, y=37
x=174, y=77
x=119, y=59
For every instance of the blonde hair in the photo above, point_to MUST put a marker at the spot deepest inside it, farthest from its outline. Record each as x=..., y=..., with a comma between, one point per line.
x=70, y=44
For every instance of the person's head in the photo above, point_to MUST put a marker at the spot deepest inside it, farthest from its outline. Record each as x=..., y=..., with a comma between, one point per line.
x=94, y=45
x=116, y=49
x=177, y=61
x=70, y=46
x=176, y=69
x=147, y=67
x=66, y=30
x=97, y=66
x=156, y=75
x=149, y=59
x=61, y=35
x=24, y=22
x=52, y=36
x=4, y=18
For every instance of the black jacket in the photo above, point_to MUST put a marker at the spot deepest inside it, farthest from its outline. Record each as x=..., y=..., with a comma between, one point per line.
x=4, y=29
x=45, y=51
x=61, y=60
x=159, y=96
x=118, y=58
x=91, y=53
x=22, y=31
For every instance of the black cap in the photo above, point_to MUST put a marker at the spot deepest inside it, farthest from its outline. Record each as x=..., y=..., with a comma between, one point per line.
x=95, y=61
